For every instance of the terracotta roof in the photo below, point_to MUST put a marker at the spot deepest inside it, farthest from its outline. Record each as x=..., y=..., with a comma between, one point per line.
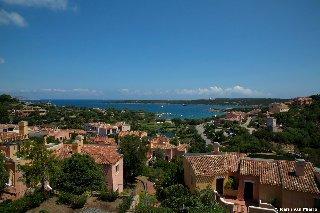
x=140, y=134
x=290, y=181
x=212, y=165
x=106, y=126
x=270, y=172
x=161, y=142
x=103, y=140
x=11, y=136
x=5, y=126
x=266, y=170
x=101, y=154
x=183, y=147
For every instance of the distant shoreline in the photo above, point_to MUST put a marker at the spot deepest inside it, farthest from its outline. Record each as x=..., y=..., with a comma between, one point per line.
x=217, y=101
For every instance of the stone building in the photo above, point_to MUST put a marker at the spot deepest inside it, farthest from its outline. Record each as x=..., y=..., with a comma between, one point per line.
x=282, y=183
x=170, y=150
x=107, y=156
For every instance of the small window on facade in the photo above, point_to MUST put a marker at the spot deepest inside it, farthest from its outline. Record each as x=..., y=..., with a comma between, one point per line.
x=117, y=168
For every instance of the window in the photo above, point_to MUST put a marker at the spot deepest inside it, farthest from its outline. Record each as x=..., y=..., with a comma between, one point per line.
x=232, y=183
x=117, y=168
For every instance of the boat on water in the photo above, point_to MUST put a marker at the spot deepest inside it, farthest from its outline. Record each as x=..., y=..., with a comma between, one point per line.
x=214, y=110
x=184, y=104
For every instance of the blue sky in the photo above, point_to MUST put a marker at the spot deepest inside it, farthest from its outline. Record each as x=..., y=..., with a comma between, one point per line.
x=159, y=49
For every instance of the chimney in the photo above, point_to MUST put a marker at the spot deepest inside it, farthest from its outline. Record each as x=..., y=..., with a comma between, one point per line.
x=300, y=166
x=23, y=128
x=216, y=148
x=79, y=138
x=77, y=144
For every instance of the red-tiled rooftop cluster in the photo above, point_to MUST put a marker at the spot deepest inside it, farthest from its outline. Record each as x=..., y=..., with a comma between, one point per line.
x=139, y=134
x=212, y=165
x=270, y=172
x=267, y=170
x=101, y=154
x=104, y=140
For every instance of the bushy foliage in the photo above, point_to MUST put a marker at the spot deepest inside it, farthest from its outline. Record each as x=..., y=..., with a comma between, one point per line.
x=75, y=201
x=165, y=173
x=6, y=104
x=301, y=127
x=178, y=196
x=64, y=198
x=23, y=204
x=134, y=153
x=147, y=205
x=78, y=201
x=4, y=175
x=188, y=134
x=125, y=205
x=247, y=143
x=79, y=174
x=213, y=135
x=40, y=162
x=108, y=195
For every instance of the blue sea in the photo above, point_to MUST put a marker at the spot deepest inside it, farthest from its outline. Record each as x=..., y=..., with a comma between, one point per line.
x=166, y=111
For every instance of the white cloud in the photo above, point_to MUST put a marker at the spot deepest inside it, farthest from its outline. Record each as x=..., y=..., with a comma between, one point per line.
x=204, y=92
x=51, y=4
x=7, y=18
x=214, y=90
x=218, y=91
x=71, y=91
x=54, y=90
x=124, y=90
x=2, y=61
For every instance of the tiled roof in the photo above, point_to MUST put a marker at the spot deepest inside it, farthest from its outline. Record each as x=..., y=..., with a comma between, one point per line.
x=161, y=142
x=270, y=172
x=140, y=134
x=182, y=147
x=5, y=126
x=103, y=140
x=266, y=170
x=212, y=165
x=11, y=136
x=290, y=181
x=276, y=172
x=101, y=154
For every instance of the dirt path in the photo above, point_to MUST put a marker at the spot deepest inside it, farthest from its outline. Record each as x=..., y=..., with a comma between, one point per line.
x=200, y=130
x=93, y=205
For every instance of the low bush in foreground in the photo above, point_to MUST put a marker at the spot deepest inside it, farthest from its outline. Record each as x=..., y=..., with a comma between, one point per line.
x=75, y=201
x=125, y=205
x=23, y=204
x=78, y=201
x=108, y=195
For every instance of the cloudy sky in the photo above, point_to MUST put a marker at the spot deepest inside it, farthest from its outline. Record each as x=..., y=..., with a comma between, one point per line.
x=160, y=49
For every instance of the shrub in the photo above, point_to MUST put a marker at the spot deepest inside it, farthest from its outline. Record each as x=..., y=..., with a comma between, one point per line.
x=35, y=199
x=78, y=201
x=153, y=210
x=23, y=204
x=125, y=205
x=108, y=195
x=75, y=201
x=147, y=201
x=64, y=198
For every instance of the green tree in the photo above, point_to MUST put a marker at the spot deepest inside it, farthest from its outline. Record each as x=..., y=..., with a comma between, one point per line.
x=134, y=152
x=79, y=174
x=40, y=162
x=159, y=154
x=3, y=173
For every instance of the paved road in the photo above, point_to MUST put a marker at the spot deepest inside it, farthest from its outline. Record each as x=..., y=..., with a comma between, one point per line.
x=200, y=130
x=245, y=125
